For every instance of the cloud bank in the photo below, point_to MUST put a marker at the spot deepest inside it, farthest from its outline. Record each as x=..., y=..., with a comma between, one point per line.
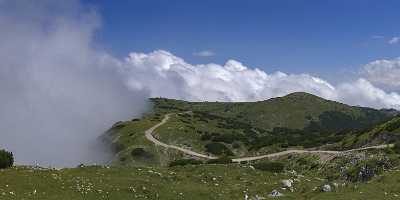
x=386, y=72
x=57, y=92
x=164, y=74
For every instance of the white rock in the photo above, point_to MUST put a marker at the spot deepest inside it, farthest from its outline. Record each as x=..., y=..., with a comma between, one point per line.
x=326, y=188
x=275, y=193
x=287, y=183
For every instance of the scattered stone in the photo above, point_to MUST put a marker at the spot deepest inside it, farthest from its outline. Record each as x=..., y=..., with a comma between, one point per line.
x=275, y=193
x=258, y=197
x=326, y=188
x=287, y=183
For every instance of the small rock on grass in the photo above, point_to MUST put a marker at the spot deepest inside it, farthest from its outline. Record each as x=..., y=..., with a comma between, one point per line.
x=275, y=193
x=326, y=188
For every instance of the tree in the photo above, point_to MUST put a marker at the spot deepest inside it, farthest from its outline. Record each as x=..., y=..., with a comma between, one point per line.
x=6, y=159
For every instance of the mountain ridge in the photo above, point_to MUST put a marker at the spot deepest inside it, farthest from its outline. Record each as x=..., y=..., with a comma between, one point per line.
x=242, y=128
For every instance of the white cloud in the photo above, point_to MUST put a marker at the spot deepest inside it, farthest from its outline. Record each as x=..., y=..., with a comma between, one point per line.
x=386, y=72
x=362, y=92
x=377, y=37
x=163, y=74
x=394, y=40
x=206, y=53
x=57, y=93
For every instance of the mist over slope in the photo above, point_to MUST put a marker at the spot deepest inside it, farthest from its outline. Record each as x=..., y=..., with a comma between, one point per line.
x=58, y=93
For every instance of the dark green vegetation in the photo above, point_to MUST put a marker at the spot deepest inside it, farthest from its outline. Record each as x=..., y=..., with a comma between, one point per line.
x=6, y=159
x=217, y=148
x=387, y=132
x=397, y=147
x=271, y=166
x=220, y=160
x=183, y=162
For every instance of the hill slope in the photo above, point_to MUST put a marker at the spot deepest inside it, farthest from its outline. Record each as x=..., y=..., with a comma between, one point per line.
x=295, y=111
x=387, y=132
x=240, y=129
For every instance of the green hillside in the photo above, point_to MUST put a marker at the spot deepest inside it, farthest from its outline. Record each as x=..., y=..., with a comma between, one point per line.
x=142, y=170
x=387, y=132
x=298, y=120
x=295, y=111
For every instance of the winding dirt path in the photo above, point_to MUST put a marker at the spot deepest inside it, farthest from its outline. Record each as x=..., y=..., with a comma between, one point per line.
x=149, y=136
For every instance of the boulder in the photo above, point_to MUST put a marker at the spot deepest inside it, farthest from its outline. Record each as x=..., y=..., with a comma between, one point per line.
x=326, y=188
x=287, y=183
x=275, y=193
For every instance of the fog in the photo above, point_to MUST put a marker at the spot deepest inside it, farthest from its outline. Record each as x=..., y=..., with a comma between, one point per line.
x=58, y=93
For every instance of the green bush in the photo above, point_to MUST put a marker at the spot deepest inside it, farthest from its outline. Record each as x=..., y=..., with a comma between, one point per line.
x=141, y=153
x=217, y=148
x=222, y=160
x=183, y=162
x=397, y=147
x=205, y=137
x=270, y=166
x=6, y=159
x=229, y=138
x=393, y=125
x=236, y=145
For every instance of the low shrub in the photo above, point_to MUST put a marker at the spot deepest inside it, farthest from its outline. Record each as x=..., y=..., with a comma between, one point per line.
x=270, y=166
x=6, y=159
x=229, y=138
x=217, y=148
x=236, y=145
x=183, y=162
x=397, y=147
x=141, y=153
x=222, y=160
x=205, y=137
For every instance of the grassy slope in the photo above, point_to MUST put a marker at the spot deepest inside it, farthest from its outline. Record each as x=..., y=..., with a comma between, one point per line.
x=152, y=181
x=387, y=132
x=129, y=135
x=245, y=127
x=293, y=111
x=187, y=182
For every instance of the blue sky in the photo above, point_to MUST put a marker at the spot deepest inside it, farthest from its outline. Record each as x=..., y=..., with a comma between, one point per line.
x=294, y=36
